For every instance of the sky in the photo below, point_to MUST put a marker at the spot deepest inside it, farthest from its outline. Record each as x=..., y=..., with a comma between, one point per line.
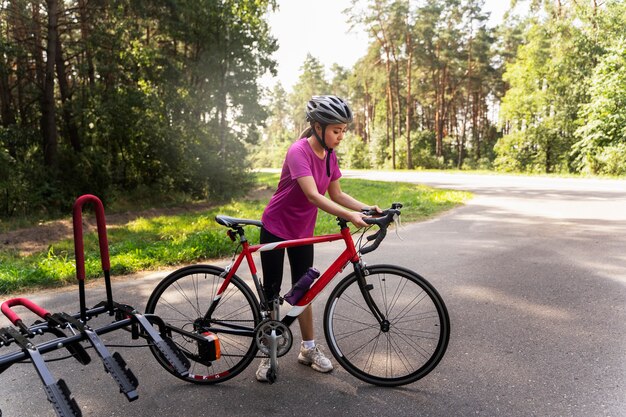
x=320, y=28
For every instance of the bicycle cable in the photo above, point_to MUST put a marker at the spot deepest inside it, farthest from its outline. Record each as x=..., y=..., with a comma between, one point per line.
x=362, y=230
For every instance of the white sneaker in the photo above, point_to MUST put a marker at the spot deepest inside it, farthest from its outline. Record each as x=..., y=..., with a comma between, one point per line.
x=315, y=359
x=261, y=372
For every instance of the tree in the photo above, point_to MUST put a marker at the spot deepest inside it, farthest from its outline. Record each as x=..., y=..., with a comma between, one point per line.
x=550, y=81
x=381, y=20
x=278, y=134
x=312, y=82
x=129, y=96
x=601, y=148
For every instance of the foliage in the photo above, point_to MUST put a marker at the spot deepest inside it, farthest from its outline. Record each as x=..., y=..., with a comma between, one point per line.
x=429, y=68
x=353, y=153
x=563, y=111
x=277, y=135
x=135, y=95
x=602, y=136
x=541, y=92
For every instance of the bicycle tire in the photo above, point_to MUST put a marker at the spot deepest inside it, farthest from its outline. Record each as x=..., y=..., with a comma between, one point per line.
x=418, y=333
x=183, y=297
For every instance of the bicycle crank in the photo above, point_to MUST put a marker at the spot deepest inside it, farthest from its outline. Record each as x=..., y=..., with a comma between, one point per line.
x=273, y=332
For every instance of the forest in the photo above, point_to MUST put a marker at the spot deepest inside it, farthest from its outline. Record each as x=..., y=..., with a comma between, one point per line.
x=542, y=92
x=151, y=98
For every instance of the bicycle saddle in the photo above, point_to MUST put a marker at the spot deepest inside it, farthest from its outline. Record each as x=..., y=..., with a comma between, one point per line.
x=235, y=222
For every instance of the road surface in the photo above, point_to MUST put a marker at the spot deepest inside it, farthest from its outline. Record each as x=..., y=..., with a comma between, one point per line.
x=533, y=271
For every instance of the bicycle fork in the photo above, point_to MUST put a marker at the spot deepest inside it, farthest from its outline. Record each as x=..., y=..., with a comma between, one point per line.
x=361, y=272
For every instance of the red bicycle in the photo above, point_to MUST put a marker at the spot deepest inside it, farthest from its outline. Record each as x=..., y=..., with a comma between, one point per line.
x=384, y=324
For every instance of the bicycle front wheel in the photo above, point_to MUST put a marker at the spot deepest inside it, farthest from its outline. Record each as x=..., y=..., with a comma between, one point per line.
x=410, y=341
x=182, y=300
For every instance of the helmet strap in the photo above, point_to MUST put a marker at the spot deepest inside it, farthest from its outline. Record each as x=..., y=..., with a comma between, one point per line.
x=322, y=141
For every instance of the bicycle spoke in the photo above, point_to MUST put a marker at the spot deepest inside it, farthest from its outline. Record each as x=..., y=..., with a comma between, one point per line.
x=399, y=353
x=401, y=349
x=418, y=348
x=183, y=300
x=406, y=310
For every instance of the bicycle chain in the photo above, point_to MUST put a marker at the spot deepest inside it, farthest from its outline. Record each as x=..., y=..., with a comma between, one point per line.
x=242, y=356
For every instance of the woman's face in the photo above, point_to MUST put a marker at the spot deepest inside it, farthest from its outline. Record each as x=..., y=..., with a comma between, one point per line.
x=334, y=134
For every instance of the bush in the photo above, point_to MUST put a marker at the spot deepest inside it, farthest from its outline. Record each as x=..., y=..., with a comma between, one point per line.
x=611, y=159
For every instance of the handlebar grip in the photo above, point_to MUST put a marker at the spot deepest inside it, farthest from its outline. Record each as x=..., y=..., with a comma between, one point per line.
x=25, y=302
x=373, y=236
x=381, y=235
x=383, y=221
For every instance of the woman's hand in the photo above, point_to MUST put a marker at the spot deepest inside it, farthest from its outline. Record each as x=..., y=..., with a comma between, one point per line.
x=356, y=219
x=371, y=210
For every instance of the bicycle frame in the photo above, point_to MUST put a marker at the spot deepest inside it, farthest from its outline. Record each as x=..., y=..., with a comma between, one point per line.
x=349, y=254
x=384, y=324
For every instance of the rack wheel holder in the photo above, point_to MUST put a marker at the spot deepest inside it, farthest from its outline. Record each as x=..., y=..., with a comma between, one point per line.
x=71, y=329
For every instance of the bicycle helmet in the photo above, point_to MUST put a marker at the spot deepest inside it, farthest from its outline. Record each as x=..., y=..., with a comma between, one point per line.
x=327, y=110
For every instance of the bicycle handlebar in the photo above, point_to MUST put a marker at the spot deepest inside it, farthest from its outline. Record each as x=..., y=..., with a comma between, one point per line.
x=383, y=221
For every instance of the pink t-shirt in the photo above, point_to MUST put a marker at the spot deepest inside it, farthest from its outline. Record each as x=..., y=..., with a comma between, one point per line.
x=289, y=214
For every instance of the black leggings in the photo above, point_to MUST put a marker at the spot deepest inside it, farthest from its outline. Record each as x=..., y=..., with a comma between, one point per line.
x=300, y=259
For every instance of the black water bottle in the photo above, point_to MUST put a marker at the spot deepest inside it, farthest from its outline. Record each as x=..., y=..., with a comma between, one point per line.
x=301, y=287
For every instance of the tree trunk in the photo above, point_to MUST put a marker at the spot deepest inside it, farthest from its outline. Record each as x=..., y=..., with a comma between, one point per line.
x=48, y=110
x=66, y=99
x=7, y=116
x=84, y=35
x=384, y=43
x=390, y=113
x=440, y=109
x=476, y=123
x=409, y=48
x=466, y=105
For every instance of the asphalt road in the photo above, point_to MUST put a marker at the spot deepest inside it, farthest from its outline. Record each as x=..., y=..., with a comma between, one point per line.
x=533, y=272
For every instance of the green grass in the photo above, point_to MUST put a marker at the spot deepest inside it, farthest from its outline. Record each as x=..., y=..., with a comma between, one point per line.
x=145, y=244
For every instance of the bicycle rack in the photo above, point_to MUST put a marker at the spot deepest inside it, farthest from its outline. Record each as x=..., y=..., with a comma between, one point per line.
x=72, y=329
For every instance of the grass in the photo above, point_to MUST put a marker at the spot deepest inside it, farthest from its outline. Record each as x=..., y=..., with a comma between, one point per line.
x=145, y=244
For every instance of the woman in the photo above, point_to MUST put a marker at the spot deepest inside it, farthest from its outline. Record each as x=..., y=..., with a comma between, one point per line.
x=309, y=171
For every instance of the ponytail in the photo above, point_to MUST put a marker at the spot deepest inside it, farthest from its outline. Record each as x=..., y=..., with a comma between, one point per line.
x=306, y=132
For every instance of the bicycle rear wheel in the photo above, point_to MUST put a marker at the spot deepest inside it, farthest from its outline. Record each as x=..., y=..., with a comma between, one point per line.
x=403, y=349
x=182, y=300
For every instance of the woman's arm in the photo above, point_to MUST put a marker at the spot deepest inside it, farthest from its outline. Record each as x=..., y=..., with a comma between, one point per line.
x=338, y=196
x=307, y=184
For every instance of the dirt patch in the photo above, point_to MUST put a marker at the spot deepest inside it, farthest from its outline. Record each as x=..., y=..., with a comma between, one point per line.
x=38, y=238
x=262, y=193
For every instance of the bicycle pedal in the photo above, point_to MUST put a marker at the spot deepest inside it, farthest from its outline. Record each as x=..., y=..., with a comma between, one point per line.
x=271, y=376
x=61, y=398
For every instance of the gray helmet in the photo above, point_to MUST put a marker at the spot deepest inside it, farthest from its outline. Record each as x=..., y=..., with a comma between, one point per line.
x=328, y=110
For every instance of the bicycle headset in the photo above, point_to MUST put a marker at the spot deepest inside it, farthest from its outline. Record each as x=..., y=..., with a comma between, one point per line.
x=327, y=110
